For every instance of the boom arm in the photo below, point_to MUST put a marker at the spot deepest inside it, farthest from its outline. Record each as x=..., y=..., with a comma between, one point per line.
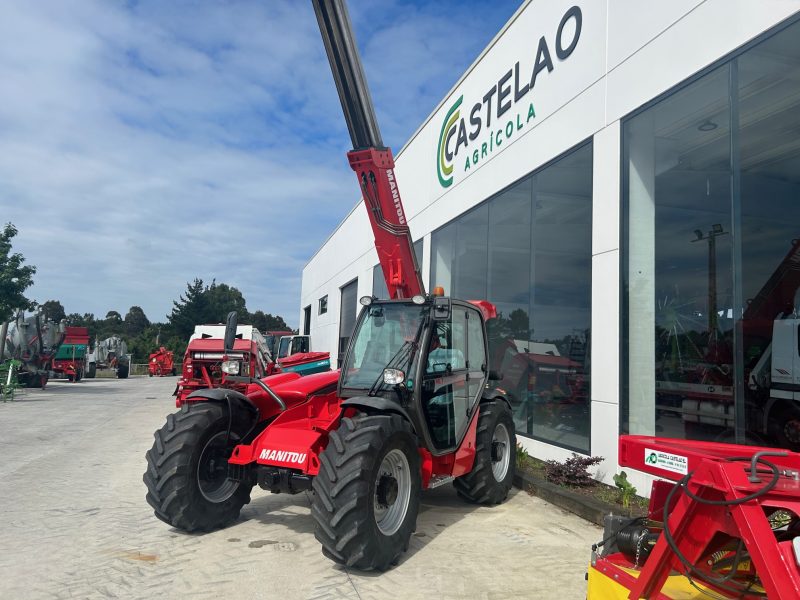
x=372, y=163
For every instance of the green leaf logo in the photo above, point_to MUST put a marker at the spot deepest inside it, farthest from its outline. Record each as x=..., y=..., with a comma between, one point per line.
x=444, y=168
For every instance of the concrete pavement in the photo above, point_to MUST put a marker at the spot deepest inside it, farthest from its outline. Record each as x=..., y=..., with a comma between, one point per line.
x=75, y=523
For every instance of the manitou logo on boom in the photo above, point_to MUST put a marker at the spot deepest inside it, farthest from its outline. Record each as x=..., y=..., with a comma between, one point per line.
x=401, y=218
x=283, y=456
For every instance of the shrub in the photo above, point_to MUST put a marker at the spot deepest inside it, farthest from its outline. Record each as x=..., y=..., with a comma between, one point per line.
x=522, y=455
x=626, y=490
x=572, y=472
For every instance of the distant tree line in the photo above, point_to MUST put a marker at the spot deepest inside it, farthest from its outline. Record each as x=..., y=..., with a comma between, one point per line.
x=199, y=304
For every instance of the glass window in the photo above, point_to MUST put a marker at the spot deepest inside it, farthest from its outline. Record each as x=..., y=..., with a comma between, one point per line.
x=347, y=316
x=323, y=304
x=307, y=320
x=385, y=330
x=528, y=250
x=446, y=400
x=711, y=199
x=476, y=352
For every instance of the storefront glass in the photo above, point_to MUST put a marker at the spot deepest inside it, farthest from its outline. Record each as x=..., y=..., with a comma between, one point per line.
x=528, y=250
x=711, y=196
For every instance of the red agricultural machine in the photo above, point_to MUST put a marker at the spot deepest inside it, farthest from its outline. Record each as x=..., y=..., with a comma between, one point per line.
x=724, y=522
x=161, y=363
x=70, y=359
x=411, y=409
x=205, y=366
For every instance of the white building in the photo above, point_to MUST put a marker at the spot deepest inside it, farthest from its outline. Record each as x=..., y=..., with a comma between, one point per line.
x=565, y=178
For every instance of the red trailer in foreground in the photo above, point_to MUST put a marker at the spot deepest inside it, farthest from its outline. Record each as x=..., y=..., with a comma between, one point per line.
x=727, y=525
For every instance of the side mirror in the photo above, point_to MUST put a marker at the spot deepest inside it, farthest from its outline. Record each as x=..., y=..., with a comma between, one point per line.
x=441, y=308
x=230, y=330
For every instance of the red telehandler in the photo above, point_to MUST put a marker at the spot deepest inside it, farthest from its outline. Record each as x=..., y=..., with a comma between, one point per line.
x=411, y=409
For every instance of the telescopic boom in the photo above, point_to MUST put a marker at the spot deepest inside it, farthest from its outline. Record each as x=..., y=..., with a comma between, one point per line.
x=371, y=161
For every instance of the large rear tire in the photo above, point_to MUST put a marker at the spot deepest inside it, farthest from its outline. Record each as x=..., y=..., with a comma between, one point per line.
x=92, y=372
x=186, y=477
x=366, y=496
x=122, y=372
x=495, y=457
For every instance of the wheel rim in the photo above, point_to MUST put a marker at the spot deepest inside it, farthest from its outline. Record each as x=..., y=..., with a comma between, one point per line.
x=212, y=469
x=392, y=492
x=792, y=431
x=501, y=441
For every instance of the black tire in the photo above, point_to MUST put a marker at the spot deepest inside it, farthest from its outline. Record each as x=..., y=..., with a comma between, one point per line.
x=150, y=373
x=482, y=485
x=354, y=476
x=32, y=380
x=174, y=371
x=122, y=372
x=78, y=375
x=188, y=448
x=786, y=427
x=92, y=371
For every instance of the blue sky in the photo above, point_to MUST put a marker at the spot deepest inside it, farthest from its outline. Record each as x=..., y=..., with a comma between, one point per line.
x=146, y=143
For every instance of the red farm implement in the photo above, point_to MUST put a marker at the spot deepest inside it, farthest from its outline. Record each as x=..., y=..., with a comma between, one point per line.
x=727, y=525
x=161, y=363
x=70, y=359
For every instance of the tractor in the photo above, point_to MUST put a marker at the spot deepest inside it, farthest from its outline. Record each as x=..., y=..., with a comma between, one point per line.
x=412, y=408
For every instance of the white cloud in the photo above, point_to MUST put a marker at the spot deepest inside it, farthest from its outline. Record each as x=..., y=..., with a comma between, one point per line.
x=142, y=146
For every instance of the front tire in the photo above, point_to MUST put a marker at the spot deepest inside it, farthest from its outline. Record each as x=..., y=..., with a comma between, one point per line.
x=186, y=476
x=122, y=372
x=366, y=496
x=495, y=457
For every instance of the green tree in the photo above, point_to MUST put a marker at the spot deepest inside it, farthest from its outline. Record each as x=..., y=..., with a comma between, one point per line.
x=192, y=308
x=135, y=321
x=222, y=299
x=267, y=322
x=15, y=277
x=54, y=311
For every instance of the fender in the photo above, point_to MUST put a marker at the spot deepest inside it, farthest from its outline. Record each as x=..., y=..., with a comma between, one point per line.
x=495, y=396
x=223, y=395
x=380, y=404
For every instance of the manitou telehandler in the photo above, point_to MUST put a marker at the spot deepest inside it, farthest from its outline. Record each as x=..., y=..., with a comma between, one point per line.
x=411, y=408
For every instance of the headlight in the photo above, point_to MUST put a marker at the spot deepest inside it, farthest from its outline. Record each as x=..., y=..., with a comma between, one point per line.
x=231, y=367
x=393, y=376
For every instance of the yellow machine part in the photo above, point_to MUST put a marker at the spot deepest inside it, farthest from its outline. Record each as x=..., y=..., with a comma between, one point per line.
x=677, y=587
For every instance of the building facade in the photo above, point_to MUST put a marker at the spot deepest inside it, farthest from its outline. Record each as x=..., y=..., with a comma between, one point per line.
x=622, y=179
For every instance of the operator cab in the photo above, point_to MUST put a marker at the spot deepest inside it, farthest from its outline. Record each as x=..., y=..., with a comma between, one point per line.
x=428, y=355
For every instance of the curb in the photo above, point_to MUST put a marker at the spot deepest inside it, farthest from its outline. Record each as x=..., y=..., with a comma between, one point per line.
x=585, y=507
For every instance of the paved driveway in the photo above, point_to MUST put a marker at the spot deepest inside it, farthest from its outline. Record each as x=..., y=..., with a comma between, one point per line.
x=74, y=522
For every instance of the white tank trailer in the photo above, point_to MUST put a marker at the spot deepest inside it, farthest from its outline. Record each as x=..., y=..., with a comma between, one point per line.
x=33, y=341
x=110, y=353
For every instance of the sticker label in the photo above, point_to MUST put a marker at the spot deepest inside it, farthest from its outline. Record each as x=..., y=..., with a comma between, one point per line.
x=664, y=460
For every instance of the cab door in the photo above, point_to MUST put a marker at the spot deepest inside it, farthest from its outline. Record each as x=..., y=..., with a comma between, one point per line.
x=453, y=376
